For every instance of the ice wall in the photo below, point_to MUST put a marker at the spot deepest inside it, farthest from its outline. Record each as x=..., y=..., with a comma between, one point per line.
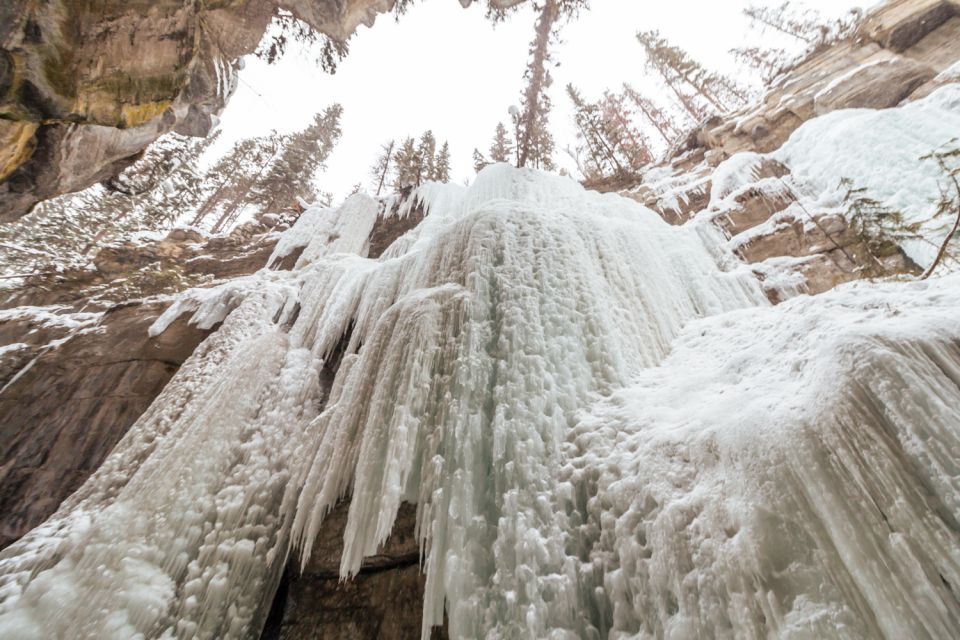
x=503, y=367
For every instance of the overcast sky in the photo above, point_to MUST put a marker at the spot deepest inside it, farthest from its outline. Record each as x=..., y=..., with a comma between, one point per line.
x=446, y=68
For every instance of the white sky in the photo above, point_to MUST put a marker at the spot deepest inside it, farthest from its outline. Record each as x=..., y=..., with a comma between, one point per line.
x=448, y=69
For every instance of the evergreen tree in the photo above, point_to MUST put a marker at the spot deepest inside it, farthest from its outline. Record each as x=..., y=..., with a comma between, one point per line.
x=416, y=162
x=806, y=27
x=683, y=74
x=479, y=162
x=441, y=167
x=149, y=195
x=660, y=119
x=767, y=62
x=238, y=171
x=501, y=150
x=380, y=171
x=629, y=142
x=408, y=163
x=232, y=175
x=590, y=131
x=428, y=156
x=292, y=174
x=531, y=121
x=287, y=28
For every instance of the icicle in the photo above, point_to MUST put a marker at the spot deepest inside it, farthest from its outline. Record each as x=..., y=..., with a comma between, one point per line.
x=535, y=366
x=522, y=298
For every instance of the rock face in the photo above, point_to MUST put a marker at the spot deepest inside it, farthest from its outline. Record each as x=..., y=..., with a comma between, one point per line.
x=383, y=601
x=86, y=86
x=897, y=57
x=72, y=403
x=73, y=382
x=901, y=47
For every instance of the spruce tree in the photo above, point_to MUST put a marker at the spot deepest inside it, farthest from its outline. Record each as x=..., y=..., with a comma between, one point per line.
x=441, y=166
x=531, y=121
x=302, y=154
x=679, y=71
x=767, y=62
x=479, y=162
x=501, y=150
x=428, y=153
x=629, y=142
x=590, y=131
x=805, y=27
x=150, y=195
x=408, y=165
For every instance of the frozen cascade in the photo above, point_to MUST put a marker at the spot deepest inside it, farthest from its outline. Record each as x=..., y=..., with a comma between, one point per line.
x=605, y=432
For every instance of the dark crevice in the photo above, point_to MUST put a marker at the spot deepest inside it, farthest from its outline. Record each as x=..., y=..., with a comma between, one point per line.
x=371, y=566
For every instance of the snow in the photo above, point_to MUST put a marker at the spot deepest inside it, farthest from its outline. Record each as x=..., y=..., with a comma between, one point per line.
x=844, y=78
x=787, y=471
x=733, y=175
x=13, y=348
x=326, y=231
x=49, y=317
x=881, y=151
x=606, y=431
x=950, y=74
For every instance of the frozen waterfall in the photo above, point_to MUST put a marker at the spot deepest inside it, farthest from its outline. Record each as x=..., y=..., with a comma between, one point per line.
x=606, y=429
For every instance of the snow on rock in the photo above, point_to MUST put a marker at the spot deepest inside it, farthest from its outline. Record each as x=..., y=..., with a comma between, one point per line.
x=733, y=174
x=950, y=74
x=604, y=431
x=325, y=231
x=881, y=151
x=53, y=316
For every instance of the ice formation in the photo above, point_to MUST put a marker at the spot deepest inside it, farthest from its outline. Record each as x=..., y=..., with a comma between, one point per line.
x=606, y=429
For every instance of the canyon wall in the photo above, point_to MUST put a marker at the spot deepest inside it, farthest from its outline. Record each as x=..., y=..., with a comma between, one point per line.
x=86, y=86
x=79, y=367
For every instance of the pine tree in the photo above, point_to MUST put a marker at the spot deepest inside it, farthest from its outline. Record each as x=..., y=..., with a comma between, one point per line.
x=768, y=62
x=782, y=18
x=416, y=162
x=427, y=151
x=531, y=121
x=380, y=171
x=629, y=142
x=661, y=120
x=288, y=28
x=441, y=167
x=479, y=162
x=232, y=175
x=805, y=25
x=408, y=165
x=590, y=130
x=239, y=171
x=292, y=174
x=501, y=150
x=150, y=195
x=679, y=71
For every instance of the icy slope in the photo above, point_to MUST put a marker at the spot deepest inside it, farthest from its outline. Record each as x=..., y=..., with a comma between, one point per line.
x=604, y=431
x=788, y=471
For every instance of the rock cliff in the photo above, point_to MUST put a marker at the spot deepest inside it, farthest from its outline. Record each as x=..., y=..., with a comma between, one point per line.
x=86, y=86
x=902, y=53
